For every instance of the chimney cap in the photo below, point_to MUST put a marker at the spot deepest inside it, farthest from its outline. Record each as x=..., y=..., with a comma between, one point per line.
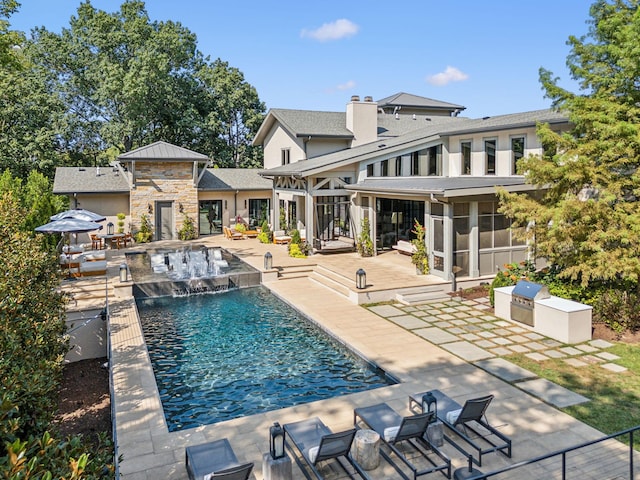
x=355, y=98
x=368, y=98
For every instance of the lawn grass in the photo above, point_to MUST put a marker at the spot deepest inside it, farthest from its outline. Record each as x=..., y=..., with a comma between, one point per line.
x=615, y=397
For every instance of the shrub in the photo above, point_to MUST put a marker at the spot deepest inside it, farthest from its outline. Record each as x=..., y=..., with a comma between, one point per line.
x=240, y=227
x=510, y=275
x=145, y=234
x=188, y=229
x=364, y=244
x=265, y=235
x=295, y=251
x=121, y=217
x=419, y=258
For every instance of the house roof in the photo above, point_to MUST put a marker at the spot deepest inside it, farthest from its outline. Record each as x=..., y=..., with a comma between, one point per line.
x=227, y=179
x=414, y=101
x=305, y=123
x=160, y=151
x=436, y=129
x=441, y=186
x=70, y=180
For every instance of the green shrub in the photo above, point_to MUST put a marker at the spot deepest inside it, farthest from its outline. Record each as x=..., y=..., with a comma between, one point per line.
x=295, y=236
x=188, y=229
x=364, y=244
x=420, y=258
x=295, y=251
x=121, y=217
x=512, y=273
x=240, y=227
x=145, y=234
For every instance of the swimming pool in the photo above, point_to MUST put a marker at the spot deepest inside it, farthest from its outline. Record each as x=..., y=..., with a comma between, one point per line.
x=243, y=352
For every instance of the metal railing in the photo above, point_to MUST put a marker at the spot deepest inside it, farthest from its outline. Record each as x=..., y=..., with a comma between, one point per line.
x=607, y=458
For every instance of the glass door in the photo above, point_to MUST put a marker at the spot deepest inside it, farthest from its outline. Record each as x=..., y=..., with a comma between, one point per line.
x=210, y=217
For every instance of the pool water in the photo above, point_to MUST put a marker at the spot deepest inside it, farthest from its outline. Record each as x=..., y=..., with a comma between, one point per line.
x=243, y=352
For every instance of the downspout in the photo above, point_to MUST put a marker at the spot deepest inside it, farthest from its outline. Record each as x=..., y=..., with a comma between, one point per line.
x=307, y=140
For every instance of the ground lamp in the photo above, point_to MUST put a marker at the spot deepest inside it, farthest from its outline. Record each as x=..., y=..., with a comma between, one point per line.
x=429, y=403
x=110, y=228
x=361, y=279
x=268, y=261
x=276, y=441
x=123, y=272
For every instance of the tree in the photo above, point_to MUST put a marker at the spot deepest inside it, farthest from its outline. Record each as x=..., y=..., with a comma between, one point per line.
x=586, y=221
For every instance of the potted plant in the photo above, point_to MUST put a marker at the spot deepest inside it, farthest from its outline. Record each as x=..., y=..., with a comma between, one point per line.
x=121, y=217
x=364, y=244
x=420, y=258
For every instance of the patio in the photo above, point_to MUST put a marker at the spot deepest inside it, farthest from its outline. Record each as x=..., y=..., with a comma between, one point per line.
x=396, y=341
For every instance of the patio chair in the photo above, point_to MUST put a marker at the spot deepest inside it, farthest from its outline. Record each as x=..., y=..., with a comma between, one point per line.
x=96, y=242
x=315, y=443
x=215, y=460
x=232, y=234
x=405, y=437
x=470, y=424
x=280, y=237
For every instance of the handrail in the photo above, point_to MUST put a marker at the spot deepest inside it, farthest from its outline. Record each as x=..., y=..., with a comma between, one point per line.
x=563, y=452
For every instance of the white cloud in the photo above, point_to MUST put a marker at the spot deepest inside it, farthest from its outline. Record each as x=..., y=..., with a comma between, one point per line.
x=342, y=28
x=347, y=85
x=450, y=74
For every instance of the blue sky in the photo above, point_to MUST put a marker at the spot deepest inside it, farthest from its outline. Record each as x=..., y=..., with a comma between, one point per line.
x=314, y=55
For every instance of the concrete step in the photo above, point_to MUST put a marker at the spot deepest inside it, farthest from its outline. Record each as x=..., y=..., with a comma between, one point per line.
x=416, y=295
x=295, y=272
x=326, y=281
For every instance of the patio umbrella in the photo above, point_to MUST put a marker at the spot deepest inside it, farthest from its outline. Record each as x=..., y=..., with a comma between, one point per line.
x=79, y=214
x=68, y=225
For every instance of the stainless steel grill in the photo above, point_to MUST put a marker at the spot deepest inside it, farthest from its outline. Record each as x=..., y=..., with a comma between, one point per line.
x=523, y=299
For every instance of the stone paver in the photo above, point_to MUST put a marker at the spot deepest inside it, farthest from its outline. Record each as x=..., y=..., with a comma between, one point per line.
x=538, y=357
x=599, y=343
x=467, y=351
x=575, y=362
x=386, y=311
x=570, y=351
x=554, y=354
x=614, y=367
x=607, y=356
x=552, y=393
x=505, y=370
x=407, y=321
x=435, y=335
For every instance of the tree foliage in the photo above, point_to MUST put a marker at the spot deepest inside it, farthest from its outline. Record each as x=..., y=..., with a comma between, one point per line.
x=587, y=220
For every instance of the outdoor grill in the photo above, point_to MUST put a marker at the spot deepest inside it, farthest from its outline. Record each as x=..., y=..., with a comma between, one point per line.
x=523, y=299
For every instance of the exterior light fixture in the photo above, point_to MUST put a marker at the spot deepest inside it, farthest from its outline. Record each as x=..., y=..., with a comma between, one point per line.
x=124, y=274
x=110, y=228
x=149, y=208
x=268, y=261
x=430, y=404
x=276, y=441
x=180, y=208
x=361, y=279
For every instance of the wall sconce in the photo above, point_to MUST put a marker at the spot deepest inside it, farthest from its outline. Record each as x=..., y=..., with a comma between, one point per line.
x=361, y=279
x=123, y=272
x=276, y=441
x=245, y=204
x=268, y=261
x=225, y=204
x=149, y=208
x=180, y=208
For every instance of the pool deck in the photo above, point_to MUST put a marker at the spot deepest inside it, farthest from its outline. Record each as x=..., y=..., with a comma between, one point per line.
x=149, y=451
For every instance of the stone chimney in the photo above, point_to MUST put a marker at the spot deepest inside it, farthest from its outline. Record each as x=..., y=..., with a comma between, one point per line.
x=362, y=120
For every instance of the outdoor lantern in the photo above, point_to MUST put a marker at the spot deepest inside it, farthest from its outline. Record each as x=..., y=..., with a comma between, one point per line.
x=110, y=228
x=268, y=261
x=429, y=403
x=123, y=272
x=276, y=441
x=361, y=279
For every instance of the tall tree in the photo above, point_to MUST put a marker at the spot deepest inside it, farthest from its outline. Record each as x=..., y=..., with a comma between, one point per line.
x=587, y=220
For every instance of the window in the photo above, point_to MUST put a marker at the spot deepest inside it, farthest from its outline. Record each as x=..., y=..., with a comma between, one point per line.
x=370, y=170
x=415, y=164
x=285, y=155
x=384, y=168
x=435, y=160
x=490, y=155
x=398, y=166
x=461, y=238
x=465, y=150
x=495, y=228
x=517, y=152
x=258, y=211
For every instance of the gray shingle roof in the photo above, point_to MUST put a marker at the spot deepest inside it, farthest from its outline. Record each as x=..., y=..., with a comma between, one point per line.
x=407, y=100
x=163, y=151
x=441, y=186
x=225, y=179
x=70, y=180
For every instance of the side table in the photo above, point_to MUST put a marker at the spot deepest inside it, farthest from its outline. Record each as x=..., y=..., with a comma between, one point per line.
x=366, y=449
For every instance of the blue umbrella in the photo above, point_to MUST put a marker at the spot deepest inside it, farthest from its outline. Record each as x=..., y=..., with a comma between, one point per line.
x=79, y=214
x=68, y=225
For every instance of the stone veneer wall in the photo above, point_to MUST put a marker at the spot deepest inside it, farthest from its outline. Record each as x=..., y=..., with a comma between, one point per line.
x=163, y=181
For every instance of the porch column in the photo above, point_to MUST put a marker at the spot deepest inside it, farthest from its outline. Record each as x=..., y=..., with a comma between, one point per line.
x=474, y=235
x=309, y=209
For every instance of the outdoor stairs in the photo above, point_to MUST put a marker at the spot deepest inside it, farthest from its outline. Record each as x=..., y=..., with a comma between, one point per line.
x=86, y=295
x=332, y=280
x=415, y=295
x=291, y=272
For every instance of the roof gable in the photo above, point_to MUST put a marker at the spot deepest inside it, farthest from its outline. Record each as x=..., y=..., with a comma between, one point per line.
x=414, y=101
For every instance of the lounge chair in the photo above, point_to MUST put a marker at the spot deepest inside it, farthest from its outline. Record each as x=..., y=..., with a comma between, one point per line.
x=314, y=442
x=215, y=460
x=232, y=234
x=469, y=418
x=86, y=269
x=402, y=436
x=280, y=237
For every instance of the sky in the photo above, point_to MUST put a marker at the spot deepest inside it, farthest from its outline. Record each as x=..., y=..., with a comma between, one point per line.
x=314, y=55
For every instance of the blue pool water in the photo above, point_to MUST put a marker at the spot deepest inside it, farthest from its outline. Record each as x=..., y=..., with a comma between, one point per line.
x=219, y=357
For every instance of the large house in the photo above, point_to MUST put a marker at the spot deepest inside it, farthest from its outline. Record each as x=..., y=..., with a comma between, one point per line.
x=399, y=160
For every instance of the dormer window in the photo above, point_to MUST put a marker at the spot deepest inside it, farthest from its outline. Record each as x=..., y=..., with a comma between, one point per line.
x=517, y=152
x=285, y=155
